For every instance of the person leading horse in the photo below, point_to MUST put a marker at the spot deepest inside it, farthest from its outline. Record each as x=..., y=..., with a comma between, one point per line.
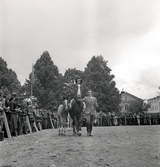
x=90, y=111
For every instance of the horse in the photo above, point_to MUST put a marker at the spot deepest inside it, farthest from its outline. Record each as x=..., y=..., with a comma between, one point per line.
x=62, y=117
x=76, y=110
x=77, y=107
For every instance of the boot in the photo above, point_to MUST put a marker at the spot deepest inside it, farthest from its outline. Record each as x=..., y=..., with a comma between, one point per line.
x=90, y=128
x=88, y=133
x=15, y=133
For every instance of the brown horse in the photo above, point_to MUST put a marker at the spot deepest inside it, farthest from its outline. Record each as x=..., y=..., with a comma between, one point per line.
x=76, y=110
x=62, y=117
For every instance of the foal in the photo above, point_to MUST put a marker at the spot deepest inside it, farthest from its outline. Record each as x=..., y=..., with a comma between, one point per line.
x=62, y=117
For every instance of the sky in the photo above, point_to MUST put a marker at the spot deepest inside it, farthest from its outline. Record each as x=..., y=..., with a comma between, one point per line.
x=125, y=32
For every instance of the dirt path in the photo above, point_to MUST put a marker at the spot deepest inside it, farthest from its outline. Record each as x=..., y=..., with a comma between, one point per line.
x=129, y=146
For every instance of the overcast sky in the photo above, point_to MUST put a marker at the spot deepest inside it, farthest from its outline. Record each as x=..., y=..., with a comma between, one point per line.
x=125, y=32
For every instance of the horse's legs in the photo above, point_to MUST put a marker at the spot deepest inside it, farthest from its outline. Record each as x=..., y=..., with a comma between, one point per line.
x=77, y=125
x=64, y=126
x=64, y=129
x=59, y=124
x=71, y=123
x=74, y=131
x=80, y=121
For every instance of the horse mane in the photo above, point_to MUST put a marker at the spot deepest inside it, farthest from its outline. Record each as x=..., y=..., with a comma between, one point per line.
x=79, y=100
x=78, y=103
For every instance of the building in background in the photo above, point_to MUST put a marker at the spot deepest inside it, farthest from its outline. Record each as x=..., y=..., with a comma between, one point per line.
x=127, y=100
x=154, y=104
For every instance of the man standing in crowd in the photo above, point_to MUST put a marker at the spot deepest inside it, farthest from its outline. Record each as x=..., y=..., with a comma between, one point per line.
x=18, y=109
x=109, y=119
x=14, y=115
x=90, y=111
x=2, y=105
x=31, y=115
x=138, y=119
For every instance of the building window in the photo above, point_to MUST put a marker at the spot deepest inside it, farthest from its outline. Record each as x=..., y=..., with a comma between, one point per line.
x=126, y=107
x=125, y=98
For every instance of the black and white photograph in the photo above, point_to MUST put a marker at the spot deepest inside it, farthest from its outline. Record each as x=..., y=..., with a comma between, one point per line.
x=79, y=83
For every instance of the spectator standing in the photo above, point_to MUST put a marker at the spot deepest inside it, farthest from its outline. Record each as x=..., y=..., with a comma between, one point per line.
x=14, y=115
x=2, y=105
x=138, y=119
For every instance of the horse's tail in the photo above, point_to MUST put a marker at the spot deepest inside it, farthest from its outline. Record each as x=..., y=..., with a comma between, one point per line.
x=58, y=121
x=58, y=116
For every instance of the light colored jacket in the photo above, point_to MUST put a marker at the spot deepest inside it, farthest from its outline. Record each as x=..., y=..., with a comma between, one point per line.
x=91, y=104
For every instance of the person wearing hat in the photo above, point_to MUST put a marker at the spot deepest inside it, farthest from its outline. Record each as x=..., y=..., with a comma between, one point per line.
x=90, y=111
x=2, y=103
x=14, y=115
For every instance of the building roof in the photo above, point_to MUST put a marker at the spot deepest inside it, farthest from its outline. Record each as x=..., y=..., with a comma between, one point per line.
x=126, y=93
x=154, y=97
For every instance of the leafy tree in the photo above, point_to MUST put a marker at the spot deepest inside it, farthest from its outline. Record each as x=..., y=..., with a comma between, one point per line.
x=46, y=81
x=146, y=107
x=136, y=106
x=99, y=79
x=70, y=76
x=49, y=86
x=8, y=79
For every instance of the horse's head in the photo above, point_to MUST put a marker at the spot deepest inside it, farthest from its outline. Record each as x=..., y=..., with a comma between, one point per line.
x=65, y=104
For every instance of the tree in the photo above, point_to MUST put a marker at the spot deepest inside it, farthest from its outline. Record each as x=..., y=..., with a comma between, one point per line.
x=47, y=84
x=136, y=106
x=99, y=79
x=146, y=106
x=70, y=76
x=8, y=79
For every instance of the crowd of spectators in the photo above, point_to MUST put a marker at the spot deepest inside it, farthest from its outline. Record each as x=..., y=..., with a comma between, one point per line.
x=23, y=117
x=113, y=119
x=18, y=110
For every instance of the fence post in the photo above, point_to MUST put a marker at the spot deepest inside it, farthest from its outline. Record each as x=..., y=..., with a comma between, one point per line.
x=6, y=123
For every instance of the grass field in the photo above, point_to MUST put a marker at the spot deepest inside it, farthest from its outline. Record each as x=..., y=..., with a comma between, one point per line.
x=122, y=146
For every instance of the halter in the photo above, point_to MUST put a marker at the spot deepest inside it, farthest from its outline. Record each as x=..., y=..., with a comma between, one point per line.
x=65, y=104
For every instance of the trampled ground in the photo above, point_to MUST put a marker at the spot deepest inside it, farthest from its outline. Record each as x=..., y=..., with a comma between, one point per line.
x=123, y=146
